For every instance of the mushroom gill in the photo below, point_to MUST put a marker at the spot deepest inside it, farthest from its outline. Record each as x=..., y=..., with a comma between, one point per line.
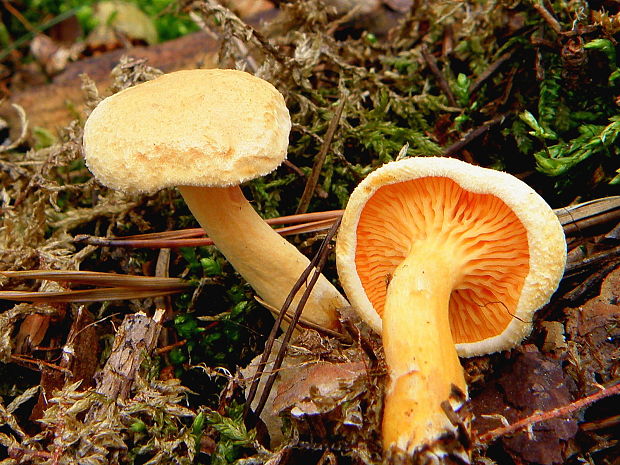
x=482, y=232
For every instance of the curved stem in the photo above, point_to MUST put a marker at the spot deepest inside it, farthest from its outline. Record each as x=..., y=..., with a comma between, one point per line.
x=268, y=262
x=420, y=354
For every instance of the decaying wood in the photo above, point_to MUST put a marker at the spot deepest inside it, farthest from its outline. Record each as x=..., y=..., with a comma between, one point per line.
x=135, y=339
x=53, y=106
x=78, y=357
x=579, y=264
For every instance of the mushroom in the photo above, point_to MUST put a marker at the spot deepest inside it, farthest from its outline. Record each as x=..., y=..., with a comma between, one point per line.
x=206, y=131
x=443, y=259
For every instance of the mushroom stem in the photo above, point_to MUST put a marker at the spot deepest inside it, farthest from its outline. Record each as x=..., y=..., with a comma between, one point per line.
x=420, y=354
x=268, y=262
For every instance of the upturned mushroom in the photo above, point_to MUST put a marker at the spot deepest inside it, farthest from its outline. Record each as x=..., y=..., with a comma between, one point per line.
x=443, y=259
x=205, y=132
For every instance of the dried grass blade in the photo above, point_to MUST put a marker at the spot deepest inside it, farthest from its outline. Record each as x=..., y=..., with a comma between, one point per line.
x=305, y=217
x=199, y=232
x=313, y=226
x=130, y=241
x=176, y=234
x=145, y=243
x=87, y=295
x=100, y=279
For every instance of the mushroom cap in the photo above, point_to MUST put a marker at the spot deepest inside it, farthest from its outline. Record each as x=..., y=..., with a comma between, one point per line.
x=509, y=245
x=201, y=127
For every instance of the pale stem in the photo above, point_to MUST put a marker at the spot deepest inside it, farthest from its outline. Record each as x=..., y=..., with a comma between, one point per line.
x=267, y=261
x=419, y=350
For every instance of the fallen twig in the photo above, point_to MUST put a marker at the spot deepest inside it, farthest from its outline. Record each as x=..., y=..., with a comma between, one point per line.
x=471, y=135
x=443, y=83
x=168, y=348
x=575, y=219
x=317, y=263
x=317, y=267
x=304, y=323
x=548, y=17
x=554, y=413
x=592, y=260
x=23, y=359
x=319, y=160
x=490, y=71
x=593, y=280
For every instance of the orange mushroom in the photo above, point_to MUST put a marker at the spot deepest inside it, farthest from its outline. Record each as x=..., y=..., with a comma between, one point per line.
x=444, y=259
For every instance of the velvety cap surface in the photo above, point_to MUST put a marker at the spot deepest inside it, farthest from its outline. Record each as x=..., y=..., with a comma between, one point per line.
x=211, y=127
x=506, y=246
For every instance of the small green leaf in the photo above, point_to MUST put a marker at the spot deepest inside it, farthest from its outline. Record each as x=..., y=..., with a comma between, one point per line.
x=371, y=38
x=177, y=356
x=605, y=46
x=230, y=429
x=189, y=254
x=210, y=266
x=537, y=129
x=461, y=89
x=187, y=326
x=238, y=309
x=138, y=426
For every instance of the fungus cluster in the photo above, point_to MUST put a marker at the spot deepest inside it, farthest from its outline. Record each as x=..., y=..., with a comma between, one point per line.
x=440, y=257
x=205, y=132
x=443, y=259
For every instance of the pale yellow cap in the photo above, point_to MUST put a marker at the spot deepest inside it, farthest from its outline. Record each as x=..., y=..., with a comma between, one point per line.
x=202, y=127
